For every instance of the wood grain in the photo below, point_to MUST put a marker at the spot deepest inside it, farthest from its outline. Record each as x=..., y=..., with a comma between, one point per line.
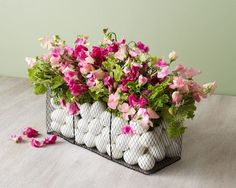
x=208, y=159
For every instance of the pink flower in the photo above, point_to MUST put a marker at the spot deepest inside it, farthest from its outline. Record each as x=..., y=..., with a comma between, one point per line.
x=69, y=50
x=63, y=102
x=143, y=117
x=142, y=102
x=133, y=99
x=152, y=114
x=77, y=89
x=108, y=81
x=51, y=139
x=127, y=129
x=55, y=61
x=176, y=97
x=91, y=80
x=80, y=52
x=180, y=84
x=165, y=71
x=36, y=143
x=191, y=72
x=127, y=111
x=113, y=100
x=80, y=41
x=85, y=67
x=142, y=80
x=30, y=132
x=99, y=54
x=142, y=47
x=16, y=138
x=121, y=53
x=73, y=109
x=30, y=61
x=161, y=63
x=99, y=74
x=180, y=68
x=46, y=42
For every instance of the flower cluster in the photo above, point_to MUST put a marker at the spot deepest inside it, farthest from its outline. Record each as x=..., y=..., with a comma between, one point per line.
x=135, y=85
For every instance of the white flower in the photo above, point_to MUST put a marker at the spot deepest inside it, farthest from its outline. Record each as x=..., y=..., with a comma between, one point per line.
x=30, y=61
x=46, y=42
x=172, y=56
x=209, y=88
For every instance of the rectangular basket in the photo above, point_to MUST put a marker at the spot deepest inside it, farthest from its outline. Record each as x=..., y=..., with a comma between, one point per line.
x=171, y=147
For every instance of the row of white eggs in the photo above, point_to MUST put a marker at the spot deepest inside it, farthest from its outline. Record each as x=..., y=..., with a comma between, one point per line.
x=95, y=132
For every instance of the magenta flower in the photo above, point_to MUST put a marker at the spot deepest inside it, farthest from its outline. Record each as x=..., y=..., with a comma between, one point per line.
x=16, y=138
x=165, y=71
x=80, y=52
x=108, y=81
x=36, y=143
x=99, y=54
x=142, y=102
x=161, y=63
x=142, y=47
x=113, y=47
x=127, y=129
x=176, y=97
x=77, y=89
x=133, y=100
x=80, y=41
x=62, y=102
x=50, y=140
x=113, y=100
x=30, y=132
x=73, y=109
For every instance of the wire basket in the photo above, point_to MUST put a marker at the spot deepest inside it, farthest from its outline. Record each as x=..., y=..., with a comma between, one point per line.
x=99, y=131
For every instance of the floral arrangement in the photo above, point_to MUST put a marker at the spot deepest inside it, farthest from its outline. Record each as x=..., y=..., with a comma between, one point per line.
x=135, y=85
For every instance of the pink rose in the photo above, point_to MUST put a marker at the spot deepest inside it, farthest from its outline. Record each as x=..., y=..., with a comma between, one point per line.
x=30, y=132
x=113, y=100
x=73, y=109
x=176, y=97
x=142, y=80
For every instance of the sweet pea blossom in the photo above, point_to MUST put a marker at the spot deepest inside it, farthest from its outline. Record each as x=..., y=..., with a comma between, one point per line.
x=176, y=97
x=46, y=42
x=77, y=89
x=165, y=71
x=173, y=56
x=135, y=101
x=127, y=111
x=152, y=114
x=62, y=102
x=99, y=74
x=180, y=84
x=30, y=61
x=73, y=108
x=91, y=80
x=142, y=80
x=121, y=53
x=113, y=100
x=142, y=117
x=141, y=46
x=161, y=63
x=209, y=88
x=127, y=129
x=191, y=72
x=30, y=132
x=16, y=138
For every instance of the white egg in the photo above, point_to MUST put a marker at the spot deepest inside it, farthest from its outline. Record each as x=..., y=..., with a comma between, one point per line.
x=82, y=125
x=56, y=126
x=146, y=162
x=71, y=120
x=106, y=135
x=101, y=143
x=89, y=140
x=79, y=137
x=97, y=109
x=67, y=131
x=148, y=139
x=85, y=111
x=158, y=152
x=54, y=105
x=173, y=150
x=135, y=145
x=122, y=142
x=116, y=154
x=131, y=157
x=117, y=124
x=105, y=118
x=59, y=115
x=137, y=128
x=95, y=127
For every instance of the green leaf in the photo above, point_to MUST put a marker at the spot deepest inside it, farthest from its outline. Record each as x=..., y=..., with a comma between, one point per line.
x=175, y=130
x=39, y=89
x=118, y=72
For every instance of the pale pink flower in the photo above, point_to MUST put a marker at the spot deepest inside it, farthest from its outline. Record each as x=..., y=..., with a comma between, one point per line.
x=73, y=109
x=50, y=140
x=91, y=80
x=113, y=100
x=36, y=143
x=152, y=114
x=55, y=61
x=176, y=97
x=99, y=74
x=122, y=52
x=143, y=117
x=180, y=84
x=46, y=57
x=30, y=132
x=165, y=71
x=127, y=129
x=191, y=72
x=46, y=42
x=127, y=111
x=30, y=61
x=16, y=138
x=180, y=68
x=142, y=80
x=86, y=68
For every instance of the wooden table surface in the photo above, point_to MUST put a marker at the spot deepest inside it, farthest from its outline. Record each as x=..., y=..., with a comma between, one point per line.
x=208, y=158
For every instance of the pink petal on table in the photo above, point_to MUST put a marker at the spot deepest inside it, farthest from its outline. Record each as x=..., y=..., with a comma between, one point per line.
x=36, y=143
x=30, y=132
x=51, y=139
x=16, y=138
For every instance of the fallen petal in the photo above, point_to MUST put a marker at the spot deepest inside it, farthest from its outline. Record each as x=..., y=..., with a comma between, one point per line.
x=16, y=138
x=51, y=139
x=30, y=132
x=36, y=143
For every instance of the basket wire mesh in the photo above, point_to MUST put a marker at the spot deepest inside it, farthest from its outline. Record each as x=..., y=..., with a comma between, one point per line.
x=146, y=152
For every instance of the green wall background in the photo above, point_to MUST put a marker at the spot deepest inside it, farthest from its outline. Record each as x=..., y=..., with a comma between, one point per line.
x=203, y=33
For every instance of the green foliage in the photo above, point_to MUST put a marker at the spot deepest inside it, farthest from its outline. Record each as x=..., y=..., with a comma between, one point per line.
x=98, y=92
x=134, y=87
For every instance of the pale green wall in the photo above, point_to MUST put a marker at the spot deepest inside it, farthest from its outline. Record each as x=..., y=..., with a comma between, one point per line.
x=202, y=32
